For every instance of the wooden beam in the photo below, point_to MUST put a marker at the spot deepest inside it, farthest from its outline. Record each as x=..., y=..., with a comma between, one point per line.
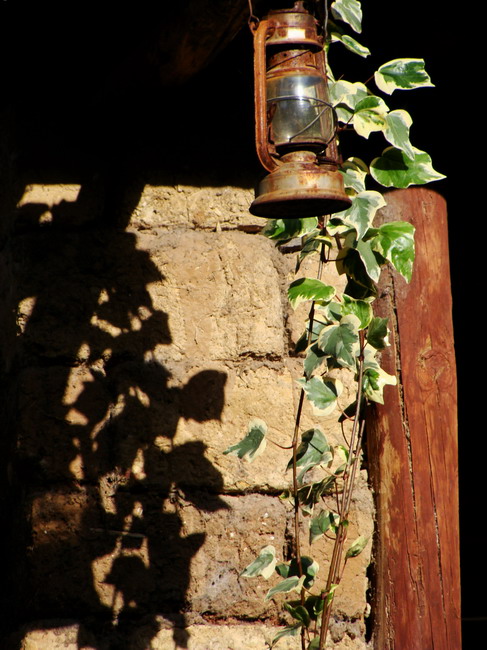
x=412, y=445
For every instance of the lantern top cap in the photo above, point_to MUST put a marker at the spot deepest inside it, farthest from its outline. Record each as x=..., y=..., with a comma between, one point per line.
x=294, y=26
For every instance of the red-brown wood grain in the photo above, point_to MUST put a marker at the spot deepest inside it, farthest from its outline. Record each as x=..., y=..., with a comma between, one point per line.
x=412, y=445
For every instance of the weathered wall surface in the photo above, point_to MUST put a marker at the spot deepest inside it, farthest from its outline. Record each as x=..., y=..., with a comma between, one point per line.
x=139, y=356
x=143, y=324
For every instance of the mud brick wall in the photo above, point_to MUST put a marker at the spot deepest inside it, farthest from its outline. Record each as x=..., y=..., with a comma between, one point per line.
x=138, y=357
x=144, y=322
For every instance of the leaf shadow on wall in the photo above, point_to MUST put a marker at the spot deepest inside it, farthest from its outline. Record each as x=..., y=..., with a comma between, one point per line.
x=97, y=466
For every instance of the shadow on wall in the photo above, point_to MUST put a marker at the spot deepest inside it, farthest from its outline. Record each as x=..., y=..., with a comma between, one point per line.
x=94, y=420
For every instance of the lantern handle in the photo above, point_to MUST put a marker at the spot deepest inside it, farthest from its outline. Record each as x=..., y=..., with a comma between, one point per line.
x=261, y=130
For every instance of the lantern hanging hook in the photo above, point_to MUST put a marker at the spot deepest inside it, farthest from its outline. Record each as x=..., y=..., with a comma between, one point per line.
x=253, y=21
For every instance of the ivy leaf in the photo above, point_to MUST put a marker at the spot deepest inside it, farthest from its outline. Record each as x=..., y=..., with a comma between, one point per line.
x=309, y=495
x=377, y=333
x=263, y=565
x=344, y=96
x=370, y=115
x=350, y=12
x=354, y=172
x=312, y=244
x=402, y=74
x=293, y=583
x=369, y=260
x=286, y=229
x=253, y=444
x=341, y=341
x=359, y=308
x=302, y=343
x=362, y=211
x=313, y=450
x=395, y=169
x=350, y=43
x=299, y=612
x=374, y=382
x=357, y=547
x=314, y=358
x=321, y=523
x=309, y=289
x=395, y=242
x=322, y=393
x=315, y=643
x=397, y=131
x=290, y=630
x=314, y=605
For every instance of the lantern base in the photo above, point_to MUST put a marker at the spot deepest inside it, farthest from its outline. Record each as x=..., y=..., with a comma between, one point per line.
x=300, y=187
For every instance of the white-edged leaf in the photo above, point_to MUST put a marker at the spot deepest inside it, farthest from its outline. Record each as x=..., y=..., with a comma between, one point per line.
x=378, y=333
x=362, y=211
x=374, y=382
x=397, y=131
x=357, y=546
x=395, y=242
x=370, y=115
x=350, y=43
x=253, y=444
x=341, y=341
x=294, y=583
x=402, y=74
x=346, y=93
x=350, y=12
x=285, y=229
x=263, y=565
x=320, y=524
x=369, y=260
x=354, y=172
x=290, y=630
x=322, y=393
x=360, y=308
x=313, y=450
x=309, y=289
x=395, y=169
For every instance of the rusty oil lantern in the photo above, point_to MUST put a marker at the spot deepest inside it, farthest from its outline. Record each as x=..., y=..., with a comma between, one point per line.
x=295, y=126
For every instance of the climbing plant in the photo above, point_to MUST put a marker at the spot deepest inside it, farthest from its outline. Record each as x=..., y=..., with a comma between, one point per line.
x=342, y=335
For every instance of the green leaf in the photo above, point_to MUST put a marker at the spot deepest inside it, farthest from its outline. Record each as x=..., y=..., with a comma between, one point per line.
x=309, y=495
x=331, y=593
x=312, y=244
x=359, y=308
x=263, y=565
x=314, y=605
x=299, y=612
x=290, y=630
x=344, y=96
x=397, y=131
x=313, y=450
x=294, y=583
x=322, y=394
x=309, y=289
x=302, y=343
x=359, y=285
x=369, y=260
x=315, y=643
x=321, y=523
x=377, y=333
x=373, y=384
x=286, y=229
x=350, y=12
x=354, y=172
x=314, y=358
x=395, y=242
x=370, y=115
x=341, y=341
x=350, y=43
x=395, y=169
x=402, y=74
x=357, y=547
x=362, y=211
x=253, y=444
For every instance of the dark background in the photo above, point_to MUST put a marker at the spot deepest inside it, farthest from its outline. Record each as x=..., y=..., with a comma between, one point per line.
x=81, y=93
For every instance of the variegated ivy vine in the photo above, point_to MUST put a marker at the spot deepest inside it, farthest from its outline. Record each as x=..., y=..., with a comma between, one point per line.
x=342, y=332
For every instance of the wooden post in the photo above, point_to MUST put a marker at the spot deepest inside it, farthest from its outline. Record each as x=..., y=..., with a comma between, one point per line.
x=412, y=445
